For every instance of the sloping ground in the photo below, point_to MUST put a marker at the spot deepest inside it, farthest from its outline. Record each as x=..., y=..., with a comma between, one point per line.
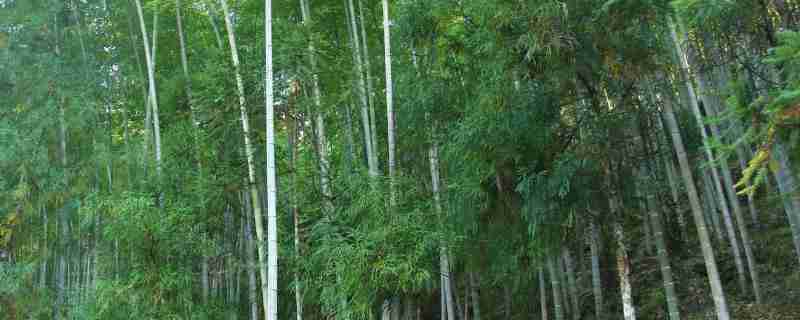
x=753, y=312
x=778, y=269
x=780, y=279
x=767, y=312
x=7, y=309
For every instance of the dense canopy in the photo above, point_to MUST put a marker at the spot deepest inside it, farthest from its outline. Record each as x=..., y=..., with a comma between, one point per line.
x=401, y=160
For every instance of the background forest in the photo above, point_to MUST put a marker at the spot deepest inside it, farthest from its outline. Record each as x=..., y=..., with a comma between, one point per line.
x=399, y=160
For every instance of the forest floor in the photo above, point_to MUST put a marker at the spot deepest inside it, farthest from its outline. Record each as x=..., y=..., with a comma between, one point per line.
x=778, y=272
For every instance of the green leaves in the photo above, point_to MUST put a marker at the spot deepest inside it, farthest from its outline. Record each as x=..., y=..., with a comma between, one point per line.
x=12, y=278
x=788, y=51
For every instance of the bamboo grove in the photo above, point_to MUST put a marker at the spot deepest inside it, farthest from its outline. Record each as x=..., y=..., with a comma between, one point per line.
x=401, y=160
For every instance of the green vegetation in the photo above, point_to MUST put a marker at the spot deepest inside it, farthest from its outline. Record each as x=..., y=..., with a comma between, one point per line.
x=498, y=159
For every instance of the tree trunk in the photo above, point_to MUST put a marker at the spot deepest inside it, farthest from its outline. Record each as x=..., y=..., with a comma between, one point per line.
x=695, y=108
x=787, y=186
x=322, y=152
x=442, y=303
x=251, y=174
x=476, y=299
x=387, y=52
x=63, y=213
x=74, y=268
x=98, y=231
x=741, y=154
x=272, y=216
x=555, y=280
x=507, y=302
x=673, y=182
x=241, y=266
x=623, y=271
x=214, y=27
x=230, y=255
x=145, y=95
x=187, y=78
x=204, y=278
x=444, y=263
x=623, y=263
x=458, y=307
x=673, y=187
x=712, y=210
x=396, y=308
x=79, y=31
x=117, y=268
x=149, y=54
x=408, y=309
x=597, y=285
x=710, y=207
x=195, y=124
x=349, y=139
x=673, y=304
x=745, y=234
x=324, y=164
x=386, y=309
x=646, y=234
x=45, y=252
x=370, y=85
x=571, y=281
x=87, y=279
x=717, y=292
x=295, y=213
x=467, y=290
x=252, y=294
x=543, y=295
x=710, y=107
x=565, y=303
x=362, y=93
x=154, y=46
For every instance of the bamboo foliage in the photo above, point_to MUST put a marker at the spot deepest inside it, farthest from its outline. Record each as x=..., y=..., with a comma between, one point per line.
x=530, y=159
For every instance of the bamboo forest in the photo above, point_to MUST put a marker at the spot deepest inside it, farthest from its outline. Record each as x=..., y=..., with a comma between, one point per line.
x=399, y=159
